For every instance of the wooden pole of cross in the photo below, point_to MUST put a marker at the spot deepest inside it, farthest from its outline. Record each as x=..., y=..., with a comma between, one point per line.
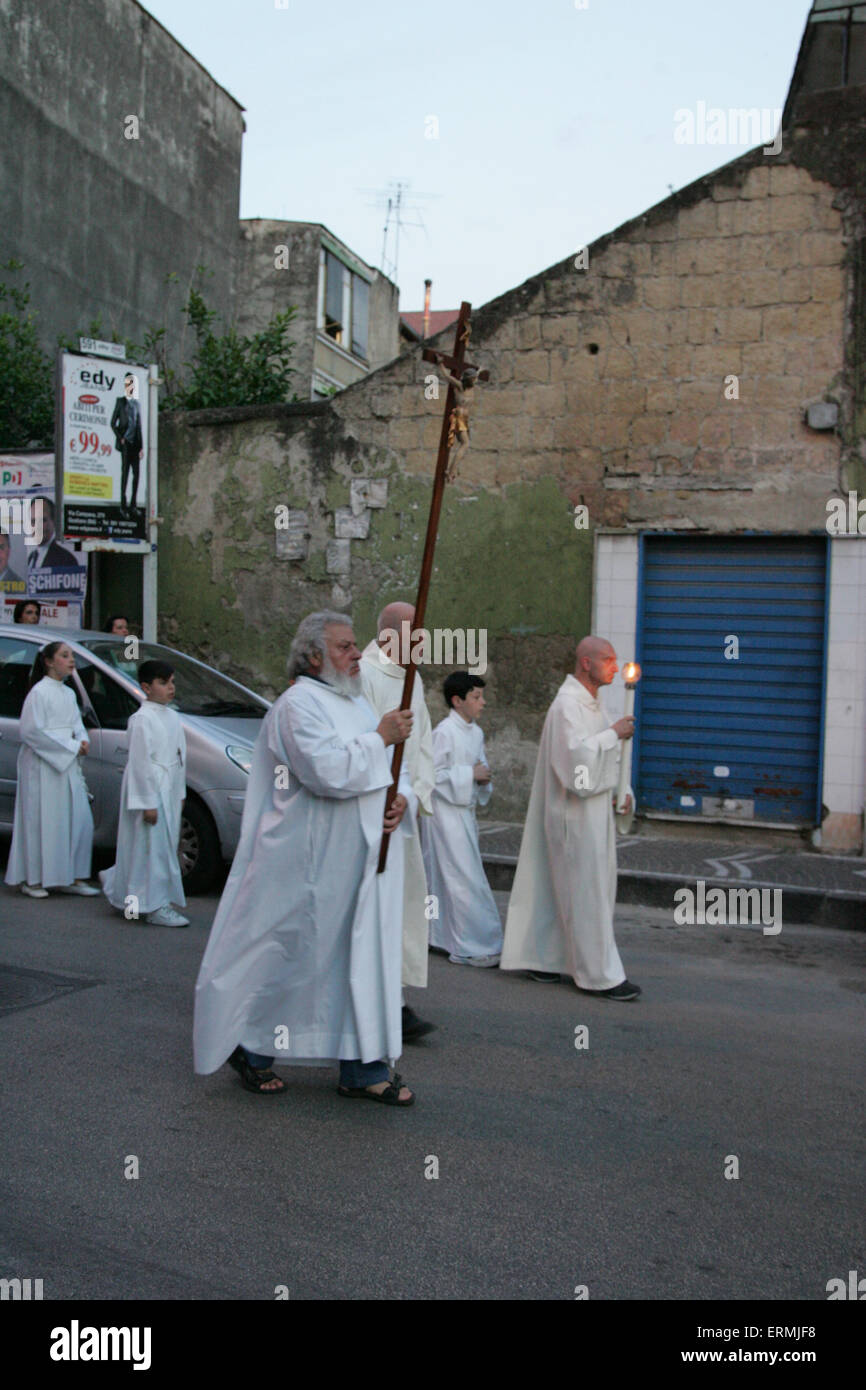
x=455, y=365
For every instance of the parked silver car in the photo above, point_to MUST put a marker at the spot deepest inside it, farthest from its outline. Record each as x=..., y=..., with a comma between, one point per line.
x=221, y=720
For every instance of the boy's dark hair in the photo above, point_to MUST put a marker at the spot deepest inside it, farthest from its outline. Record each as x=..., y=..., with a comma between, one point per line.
x=459, y=683
x=154, y=670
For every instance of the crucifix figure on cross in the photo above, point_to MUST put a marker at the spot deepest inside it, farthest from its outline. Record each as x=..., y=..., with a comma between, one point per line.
x=462, y=378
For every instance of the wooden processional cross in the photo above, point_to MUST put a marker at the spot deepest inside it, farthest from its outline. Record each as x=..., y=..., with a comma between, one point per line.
x=455, y=366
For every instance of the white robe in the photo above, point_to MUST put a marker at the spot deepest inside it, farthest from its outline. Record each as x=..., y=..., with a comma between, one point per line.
x=303, y=960
x=382, y=682
x=468, y=923
x=560, y=917
x=52, y=836
x=147, y=868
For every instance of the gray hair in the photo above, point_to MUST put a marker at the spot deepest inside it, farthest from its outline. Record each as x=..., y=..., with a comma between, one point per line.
x=310, y=639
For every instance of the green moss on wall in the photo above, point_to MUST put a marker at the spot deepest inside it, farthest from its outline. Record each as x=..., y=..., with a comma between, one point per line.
x=509, y=562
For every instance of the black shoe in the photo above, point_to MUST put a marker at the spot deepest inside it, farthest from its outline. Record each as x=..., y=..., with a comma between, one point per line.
x=545, y=977
x=622, y=992
x=413, y=1026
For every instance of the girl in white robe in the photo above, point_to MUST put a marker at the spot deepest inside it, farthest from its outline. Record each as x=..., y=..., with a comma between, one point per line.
x=146, y=878
x=468, y=925
x=52, y=836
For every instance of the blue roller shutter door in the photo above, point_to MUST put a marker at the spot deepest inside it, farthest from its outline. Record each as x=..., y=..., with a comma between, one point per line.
x=716, y=728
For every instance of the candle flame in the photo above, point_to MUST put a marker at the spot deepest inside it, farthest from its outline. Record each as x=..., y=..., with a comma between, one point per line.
x=631, y=673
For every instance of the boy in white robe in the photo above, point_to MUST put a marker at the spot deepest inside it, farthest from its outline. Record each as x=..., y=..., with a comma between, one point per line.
x=146, y=879
x=560, y=915
x=52, y=836
x=468, y=926
x=303, y=960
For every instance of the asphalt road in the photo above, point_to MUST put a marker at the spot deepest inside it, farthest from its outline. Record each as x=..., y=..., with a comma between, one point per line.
x=602, y=1166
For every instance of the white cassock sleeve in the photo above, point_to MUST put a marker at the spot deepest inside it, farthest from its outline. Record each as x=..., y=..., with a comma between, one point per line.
x=483, y=790
x=424, y=758
x=321, y=761
x=181, y=744
x=57, y=749
x=404, y=787
x=453, y=780
x=572, y=747
x=141, y=789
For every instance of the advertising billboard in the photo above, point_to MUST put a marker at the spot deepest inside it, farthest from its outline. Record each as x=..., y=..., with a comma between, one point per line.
x=104, y=409
x=36, y=565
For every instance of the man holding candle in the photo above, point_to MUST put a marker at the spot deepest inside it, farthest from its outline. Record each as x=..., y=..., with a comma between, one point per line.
x=560, y=918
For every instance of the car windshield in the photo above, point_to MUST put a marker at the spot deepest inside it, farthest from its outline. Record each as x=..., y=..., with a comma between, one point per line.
x=199, y=690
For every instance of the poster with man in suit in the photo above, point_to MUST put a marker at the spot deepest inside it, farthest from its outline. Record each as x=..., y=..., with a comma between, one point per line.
x=34, y=561
x=105, y=442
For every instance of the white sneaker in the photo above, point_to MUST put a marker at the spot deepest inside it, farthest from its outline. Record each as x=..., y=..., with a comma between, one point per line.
x=33, y=891
x=84, y=890
x=483, y=962
x=166, y=917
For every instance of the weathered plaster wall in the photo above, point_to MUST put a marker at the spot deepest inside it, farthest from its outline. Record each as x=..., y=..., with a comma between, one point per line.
x=512, y=564
x=98, y=219
x=263, y=290
x=607, y=389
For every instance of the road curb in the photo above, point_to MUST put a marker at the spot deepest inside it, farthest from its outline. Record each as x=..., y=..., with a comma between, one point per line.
x=800, y=906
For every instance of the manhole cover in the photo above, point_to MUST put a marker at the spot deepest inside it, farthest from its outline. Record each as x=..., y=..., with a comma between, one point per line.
x=24, y=989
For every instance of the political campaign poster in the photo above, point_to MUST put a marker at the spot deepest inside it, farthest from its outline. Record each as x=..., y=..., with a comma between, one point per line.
x=36, y=568
x=104, y=410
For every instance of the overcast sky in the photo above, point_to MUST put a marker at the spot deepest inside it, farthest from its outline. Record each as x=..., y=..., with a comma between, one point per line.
x=552, y=122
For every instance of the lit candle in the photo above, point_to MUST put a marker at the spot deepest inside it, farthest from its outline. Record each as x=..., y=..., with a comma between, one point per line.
x=631, y=676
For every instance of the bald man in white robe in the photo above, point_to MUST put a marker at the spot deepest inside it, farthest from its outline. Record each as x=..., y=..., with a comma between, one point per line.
x=382, y=678
x=560, y=916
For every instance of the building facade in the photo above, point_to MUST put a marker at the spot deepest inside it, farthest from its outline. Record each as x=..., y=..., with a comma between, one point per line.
x=120, y=165
x=347, y=320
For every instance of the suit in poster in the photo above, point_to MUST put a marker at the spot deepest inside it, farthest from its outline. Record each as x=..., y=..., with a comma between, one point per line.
x=35, y=563
x=105, y=433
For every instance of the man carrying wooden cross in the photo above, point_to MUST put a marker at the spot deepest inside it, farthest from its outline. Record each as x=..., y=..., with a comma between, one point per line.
x=303, y=961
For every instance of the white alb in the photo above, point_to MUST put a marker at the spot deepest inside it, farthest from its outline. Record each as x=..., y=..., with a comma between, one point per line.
x=146, y=874
x=52, y=836
x=303, y=960
x=468, y=922
x=560, y=917
x=382, y=683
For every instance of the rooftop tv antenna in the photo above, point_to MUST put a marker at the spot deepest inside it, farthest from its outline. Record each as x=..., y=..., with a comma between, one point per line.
x=396, y=203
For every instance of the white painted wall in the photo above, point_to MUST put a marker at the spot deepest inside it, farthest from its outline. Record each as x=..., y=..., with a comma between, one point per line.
x=614, y=605
x=845, y=728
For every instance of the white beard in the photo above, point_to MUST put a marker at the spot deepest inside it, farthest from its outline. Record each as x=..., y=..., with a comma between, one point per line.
x=341, y=681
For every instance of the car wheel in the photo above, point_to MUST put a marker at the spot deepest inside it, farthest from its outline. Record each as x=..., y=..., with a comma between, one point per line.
x=199, y=849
